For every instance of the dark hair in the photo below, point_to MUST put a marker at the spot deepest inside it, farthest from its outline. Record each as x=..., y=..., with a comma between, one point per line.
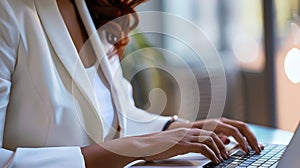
x=119, y=22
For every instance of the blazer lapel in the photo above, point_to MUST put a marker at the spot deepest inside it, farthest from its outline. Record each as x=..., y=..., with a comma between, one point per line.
x=61, y=41
x=103, y=61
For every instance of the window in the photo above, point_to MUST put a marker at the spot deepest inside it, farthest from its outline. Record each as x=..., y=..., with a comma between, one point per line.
x=288, y=93
x=236, y=29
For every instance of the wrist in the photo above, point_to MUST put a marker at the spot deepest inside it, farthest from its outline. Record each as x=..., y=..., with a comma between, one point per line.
x=198, y=124
x=173, y=119
x=176, y=122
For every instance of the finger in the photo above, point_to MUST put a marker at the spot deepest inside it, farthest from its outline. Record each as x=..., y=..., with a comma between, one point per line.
x=221, y=146
x=244, y=129
x=208, y=141
x=201, y=132
x=261, y=146
x=216, y=139
x=233, y=131
x=224, y=139
x=205, y=150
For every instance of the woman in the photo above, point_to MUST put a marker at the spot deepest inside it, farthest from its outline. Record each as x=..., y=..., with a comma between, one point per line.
x=50, y=116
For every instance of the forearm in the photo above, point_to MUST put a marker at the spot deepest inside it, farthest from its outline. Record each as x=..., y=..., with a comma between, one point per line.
x=97, y=156
x=114, y=153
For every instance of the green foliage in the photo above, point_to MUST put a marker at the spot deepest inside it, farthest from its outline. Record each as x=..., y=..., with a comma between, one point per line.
x=139, y=53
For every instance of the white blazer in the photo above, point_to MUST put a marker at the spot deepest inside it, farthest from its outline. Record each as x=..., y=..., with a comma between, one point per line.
x=47, y=106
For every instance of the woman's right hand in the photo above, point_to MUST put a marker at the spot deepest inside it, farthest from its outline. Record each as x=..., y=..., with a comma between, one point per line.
x=155, y=146
x=184, y=140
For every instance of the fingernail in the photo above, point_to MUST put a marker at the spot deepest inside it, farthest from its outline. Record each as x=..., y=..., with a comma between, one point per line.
x=220, y=158
x=261, y=147
x=224, y=156
x=247, y=151
x=227, y=141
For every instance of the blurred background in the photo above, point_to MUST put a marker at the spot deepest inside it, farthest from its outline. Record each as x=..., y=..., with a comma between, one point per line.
x=252, y=37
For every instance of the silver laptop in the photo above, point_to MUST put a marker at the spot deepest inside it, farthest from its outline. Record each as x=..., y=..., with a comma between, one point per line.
x=281, y=156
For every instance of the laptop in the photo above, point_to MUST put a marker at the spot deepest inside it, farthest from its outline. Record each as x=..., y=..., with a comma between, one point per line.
x=274, y=155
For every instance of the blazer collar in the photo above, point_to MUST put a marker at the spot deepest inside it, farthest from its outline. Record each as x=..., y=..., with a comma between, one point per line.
x=109, y=73
x=62, y=43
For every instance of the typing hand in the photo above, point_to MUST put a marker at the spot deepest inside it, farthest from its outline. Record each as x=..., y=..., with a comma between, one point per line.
x=226, y=127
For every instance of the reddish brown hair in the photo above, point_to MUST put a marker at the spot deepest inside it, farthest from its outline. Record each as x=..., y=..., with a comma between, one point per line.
x=119, y=17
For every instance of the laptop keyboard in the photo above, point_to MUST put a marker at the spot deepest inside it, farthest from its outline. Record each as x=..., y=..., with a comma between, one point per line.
x=268, y=157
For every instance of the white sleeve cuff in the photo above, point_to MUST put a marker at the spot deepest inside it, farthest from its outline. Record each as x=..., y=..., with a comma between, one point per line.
x=48, y=157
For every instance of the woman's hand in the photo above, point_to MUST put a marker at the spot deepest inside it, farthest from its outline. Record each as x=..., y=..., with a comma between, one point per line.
x=156, y=146
x=184, y=140
x=225, y=127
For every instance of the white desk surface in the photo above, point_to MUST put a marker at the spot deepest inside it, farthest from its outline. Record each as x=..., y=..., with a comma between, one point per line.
x=264, y=135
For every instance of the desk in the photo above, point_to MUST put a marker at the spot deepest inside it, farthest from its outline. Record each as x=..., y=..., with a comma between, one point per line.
x=271, y=135
x=264, y=135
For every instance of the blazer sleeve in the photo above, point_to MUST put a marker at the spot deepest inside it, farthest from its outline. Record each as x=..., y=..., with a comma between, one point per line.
x=23, y=157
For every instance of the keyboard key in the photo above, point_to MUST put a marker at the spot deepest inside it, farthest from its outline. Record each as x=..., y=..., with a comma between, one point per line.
x=262, y=159
x=251, y=160
x=236, y=162
x=266, y=165
x=239, y=153
x=255, y=164
x=273, y=160
x=247, y=162
x=259, y=162
x=244, y=165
